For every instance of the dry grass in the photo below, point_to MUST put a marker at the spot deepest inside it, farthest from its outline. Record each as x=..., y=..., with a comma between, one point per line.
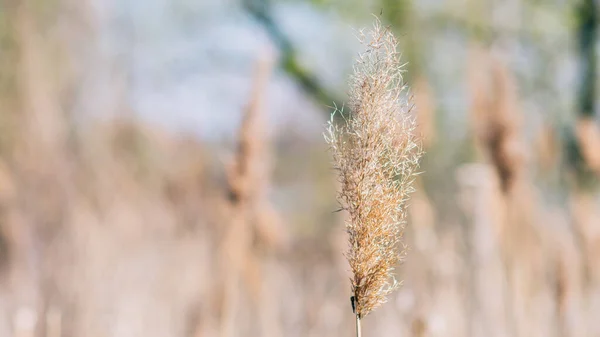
x=376, y=154
x=251, y=214
x=495, y=116
x=122, y=229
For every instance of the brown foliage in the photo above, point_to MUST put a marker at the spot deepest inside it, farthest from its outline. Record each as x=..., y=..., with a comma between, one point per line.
x=376, y=154
x=495, y=118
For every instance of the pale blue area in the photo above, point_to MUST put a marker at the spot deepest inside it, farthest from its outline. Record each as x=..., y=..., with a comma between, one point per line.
x=189, y=65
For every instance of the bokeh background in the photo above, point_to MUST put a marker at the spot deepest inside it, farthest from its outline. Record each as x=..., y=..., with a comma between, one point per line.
x=163, y=171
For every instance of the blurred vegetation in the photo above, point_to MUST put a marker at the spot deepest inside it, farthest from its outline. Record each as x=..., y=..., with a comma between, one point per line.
x=115, y=226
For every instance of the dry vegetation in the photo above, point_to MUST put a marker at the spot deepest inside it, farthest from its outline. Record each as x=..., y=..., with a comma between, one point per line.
x=116, y=228
x=376, y=154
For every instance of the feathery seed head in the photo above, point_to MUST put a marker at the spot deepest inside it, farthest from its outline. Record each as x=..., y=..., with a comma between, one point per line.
x=376, y=154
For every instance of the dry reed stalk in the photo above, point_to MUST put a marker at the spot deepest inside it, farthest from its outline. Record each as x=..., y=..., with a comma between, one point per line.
x=481, y=198
x=40, y=157
x=495, y=117
x=42, y=117
x=569, y=294
x=249, y=174
x=247, y=184
x=376, y=154
x=585, y=217
x=520, y=239
x=524, y=248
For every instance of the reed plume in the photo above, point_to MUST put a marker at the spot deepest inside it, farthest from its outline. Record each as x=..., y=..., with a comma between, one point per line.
x=495, y=117
x=254, y=222
x=376, y=153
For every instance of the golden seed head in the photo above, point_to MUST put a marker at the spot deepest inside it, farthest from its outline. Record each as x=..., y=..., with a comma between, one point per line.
x=376, y=154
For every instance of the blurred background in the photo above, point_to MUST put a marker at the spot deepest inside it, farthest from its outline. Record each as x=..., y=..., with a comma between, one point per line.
x=163, y=170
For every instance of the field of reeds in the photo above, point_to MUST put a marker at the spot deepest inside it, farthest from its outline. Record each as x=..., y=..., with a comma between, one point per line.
x=112, y=225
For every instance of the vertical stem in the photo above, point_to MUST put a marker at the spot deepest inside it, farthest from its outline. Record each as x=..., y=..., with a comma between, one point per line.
x=358, y=330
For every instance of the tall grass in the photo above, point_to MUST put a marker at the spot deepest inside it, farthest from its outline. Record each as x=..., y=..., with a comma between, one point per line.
x=376, y=154
x=248, y=182
x=128, y=229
